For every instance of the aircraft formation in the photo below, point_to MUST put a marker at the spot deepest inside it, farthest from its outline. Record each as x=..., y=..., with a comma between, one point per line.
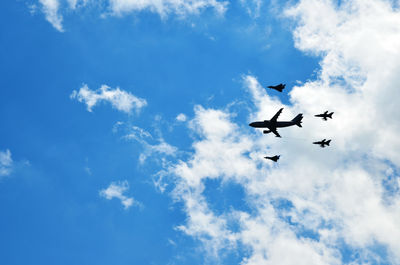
x=273, y=124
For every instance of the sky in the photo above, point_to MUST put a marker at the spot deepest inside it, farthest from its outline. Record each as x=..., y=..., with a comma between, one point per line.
x=125, y=140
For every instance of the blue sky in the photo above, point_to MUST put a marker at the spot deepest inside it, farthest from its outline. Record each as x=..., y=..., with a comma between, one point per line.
x=123, y=181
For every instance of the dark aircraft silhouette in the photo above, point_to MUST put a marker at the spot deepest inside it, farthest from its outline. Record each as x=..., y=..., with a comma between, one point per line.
x=325, y=115
x=279, y=87
x=273, y=158
x=323, y=143
x=273, y=124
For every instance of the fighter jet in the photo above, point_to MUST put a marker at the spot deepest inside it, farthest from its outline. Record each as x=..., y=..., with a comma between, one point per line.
x=323, y=143
x=279, y=87
x=325, y=115
x=273, y=124
x=273, y=158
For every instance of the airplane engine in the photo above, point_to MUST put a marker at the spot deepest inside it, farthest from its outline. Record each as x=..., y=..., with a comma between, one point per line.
x=266, y=131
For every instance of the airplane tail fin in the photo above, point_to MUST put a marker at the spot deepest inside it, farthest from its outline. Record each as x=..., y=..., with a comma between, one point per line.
x=328, y=142
x=330, y=115
x=297, y=120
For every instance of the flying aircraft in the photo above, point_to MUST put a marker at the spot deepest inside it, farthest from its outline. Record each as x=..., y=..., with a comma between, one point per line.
x=325, y=115
x=273, y=158
x=279, y=87
x=323, y=143
x=273, y=124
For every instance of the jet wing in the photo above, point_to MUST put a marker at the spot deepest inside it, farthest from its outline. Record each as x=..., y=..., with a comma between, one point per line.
x=275, y=118
x=275, y=132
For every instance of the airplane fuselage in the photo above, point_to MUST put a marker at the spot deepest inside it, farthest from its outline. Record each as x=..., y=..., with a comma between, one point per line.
x=268, y=124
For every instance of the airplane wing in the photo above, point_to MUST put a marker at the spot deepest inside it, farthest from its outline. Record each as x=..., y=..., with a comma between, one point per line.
x=275, y=132
x=275, y=118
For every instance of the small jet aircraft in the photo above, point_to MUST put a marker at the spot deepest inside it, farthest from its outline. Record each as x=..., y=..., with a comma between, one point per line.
x=323, y=143
x=273, y=124
x=273, y=158
x=325, y=115
x=279, y=87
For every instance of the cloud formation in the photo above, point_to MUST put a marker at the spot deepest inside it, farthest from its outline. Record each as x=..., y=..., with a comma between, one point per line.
x=53, y=9
x=338, y=205
x=6, y=163
x=181, y=117
x=117, y=190
x=144, y=137
x=50, y=8
x=119, y=99
x=165, y=7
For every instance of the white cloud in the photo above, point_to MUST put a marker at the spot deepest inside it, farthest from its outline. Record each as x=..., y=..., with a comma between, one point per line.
x=165, y=7
x=338, y=194
x=252, y=7
x=119, y=99
x=117, y=190
x=6, y=163
x=359, y=43
x=88, y=170
x=144, y=137
x=74, y=4
x=162, y=148
x=51, y=10
x=137, y=133
x=181, y=117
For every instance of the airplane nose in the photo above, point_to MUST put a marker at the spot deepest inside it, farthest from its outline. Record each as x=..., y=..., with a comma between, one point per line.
x=251, y=124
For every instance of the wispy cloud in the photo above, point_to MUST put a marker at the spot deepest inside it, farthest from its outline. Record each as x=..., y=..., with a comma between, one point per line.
x=119, y=99
x=50, y=9
x=137, y=133
x=53, y=9
x=6, y=163
x=181, y=117
x=117, y=190
x=165, y=7
x=252, y=7
x=160, y=147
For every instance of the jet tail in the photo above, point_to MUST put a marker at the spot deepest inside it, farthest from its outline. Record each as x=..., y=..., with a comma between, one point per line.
x=328, y=142
x=297, y=120
x=330, y=115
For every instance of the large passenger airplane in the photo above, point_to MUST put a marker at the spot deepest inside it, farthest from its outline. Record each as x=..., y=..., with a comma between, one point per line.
x=273, y=123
